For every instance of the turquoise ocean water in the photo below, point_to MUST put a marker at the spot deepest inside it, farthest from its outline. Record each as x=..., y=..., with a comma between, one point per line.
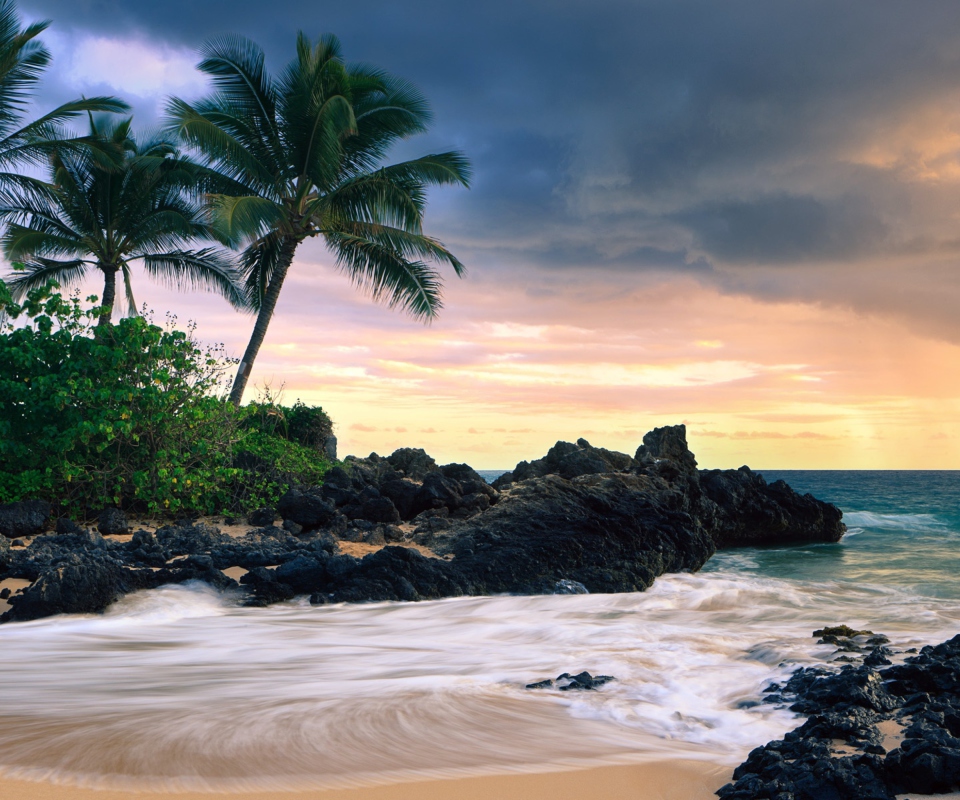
x=903, y=531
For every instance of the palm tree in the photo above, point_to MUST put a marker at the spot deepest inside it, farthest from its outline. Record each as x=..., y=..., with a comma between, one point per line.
x=23, y=60
x=105, y=216
x=305, y=150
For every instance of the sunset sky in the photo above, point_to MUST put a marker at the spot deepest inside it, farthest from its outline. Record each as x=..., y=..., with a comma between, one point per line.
x=743, y=216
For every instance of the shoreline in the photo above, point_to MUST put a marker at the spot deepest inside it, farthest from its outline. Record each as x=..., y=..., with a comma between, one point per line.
x=667, y=779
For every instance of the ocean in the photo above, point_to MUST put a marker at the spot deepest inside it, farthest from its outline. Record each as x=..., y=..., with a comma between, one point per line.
x=180, y=687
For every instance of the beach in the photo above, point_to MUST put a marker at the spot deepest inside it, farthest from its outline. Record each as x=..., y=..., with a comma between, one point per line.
x=660, y=780
x=182, y=691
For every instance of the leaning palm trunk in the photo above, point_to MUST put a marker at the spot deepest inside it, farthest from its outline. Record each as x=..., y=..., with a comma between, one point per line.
x=303, y=156
x=265, y=314
x=109, y=295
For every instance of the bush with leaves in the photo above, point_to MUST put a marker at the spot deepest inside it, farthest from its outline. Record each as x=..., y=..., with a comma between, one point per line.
x=133, y=415
x=124, y=414
x=282, y=447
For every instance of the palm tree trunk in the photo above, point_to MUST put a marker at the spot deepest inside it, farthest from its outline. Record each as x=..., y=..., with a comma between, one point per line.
x=109, y=295
x=267, y=305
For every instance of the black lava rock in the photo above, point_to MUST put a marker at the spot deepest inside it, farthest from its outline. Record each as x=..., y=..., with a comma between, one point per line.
x=580, y=519
x=67, y=525
x=262, y=517
x=402, y=493
x=309, y=510
x=437, y=491
x=922, y=696
x=113, y=522
x=25, y=518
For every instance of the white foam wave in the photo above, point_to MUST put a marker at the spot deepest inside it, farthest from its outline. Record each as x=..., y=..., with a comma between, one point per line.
x=182, y=686
x=903, y=522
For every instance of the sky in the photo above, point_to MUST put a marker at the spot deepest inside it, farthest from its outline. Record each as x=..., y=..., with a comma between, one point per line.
x=742, y=215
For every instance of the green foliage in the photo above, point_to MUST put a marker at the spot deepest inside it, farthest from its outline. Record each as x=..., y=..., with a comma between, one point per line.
x=307, y=425
x=123, y=414
x=106, y=215
x=282, y=447
x=269, y=465
x=132, y=415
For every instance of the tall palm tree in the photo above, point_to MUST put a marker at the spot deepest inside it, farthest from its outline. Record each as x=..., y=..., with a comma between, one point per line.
x=23, y=60
x=305, y=149
x=105, y=216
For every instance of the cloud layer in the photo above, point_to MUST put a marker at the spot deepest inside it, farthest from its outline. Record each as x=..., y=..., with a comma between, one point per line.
x=743, y=214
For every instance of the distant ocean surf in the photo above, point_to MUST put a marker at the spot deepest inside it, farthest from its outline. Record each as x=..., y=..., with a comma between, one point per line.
x=180, y=687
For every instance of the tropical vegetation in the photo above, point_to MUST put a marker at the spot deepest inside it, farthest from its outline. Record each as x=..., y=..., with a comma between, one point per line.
x=133, y=415
x=106, y=215
x=130, y=413
x=306, y=148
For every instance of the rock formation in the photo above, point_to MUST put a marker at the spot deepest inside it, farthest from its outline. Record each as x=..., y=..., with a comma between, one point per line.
x=870, y=733
x=580, y=519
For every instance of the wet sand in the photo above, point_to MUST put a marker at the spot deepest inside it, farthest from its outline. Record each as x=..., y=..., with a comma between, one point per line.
x=659, y=780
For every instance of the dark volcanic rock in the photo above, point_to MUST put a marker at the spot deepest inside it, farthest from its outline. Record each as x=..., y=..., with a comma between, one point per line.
x=398, y=573
x=412, y=463
x=379, y=509
x=309, y=510
x=748, y=511
x=667, y=443
x=113, y=522
x=580, y=519
x=611, y=532
x=403, y=494
x=922, y=696
x=568, y=461
x=582, y=682
x=67, y=525
x=26, y=518
x=338, y=487
x=436, y=492
x=75, y=585
x=262, y=517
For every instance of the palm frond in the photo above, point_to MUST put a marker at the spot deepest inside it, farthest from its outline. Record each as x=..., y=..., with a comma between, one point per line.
x=21, y=243
x=395, y=195
x=406, y=245
x=387, y=277
x=236, y=66
x=128, y=291
x=37, y=272
x=210, y=268
x=236, y=219
x=22, y=61
x=211, y=137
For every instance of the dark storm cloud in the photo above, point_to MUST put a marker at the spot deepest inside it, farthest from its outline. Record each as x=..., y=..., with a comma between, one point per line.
x=634, y=135
x=785, y=229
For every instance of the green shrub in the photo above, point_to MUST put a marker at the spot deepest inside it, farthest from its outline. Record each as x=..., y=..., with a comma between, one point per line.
x=269, y=465
x=125, y=414
x=282, y=447
x=133, y=415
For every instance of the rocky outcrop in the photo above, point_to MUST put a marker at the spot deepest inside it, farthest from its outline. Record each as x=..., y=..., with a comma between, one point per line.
x=584, y=520
x=26, y=518
x=113, y=522
x=568, y=461
x=736, y=507
x=610, y=532
x=870, y=733
x=403, y=486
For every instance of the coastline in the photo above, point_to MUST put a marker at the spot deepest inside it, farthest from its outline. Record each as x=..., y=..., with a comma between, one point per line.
x=669, y=779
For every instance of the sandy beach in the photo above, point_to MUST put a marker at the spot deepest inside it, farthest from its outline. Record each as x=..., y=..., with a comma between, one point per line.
x=660, y=780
